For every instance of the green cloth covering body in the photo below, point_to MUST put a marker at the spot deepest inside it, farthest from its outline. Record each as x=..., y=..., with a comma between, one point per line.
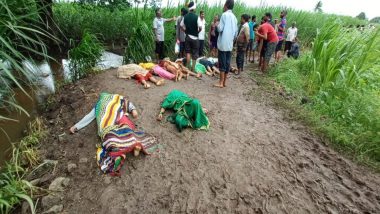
x=188, y=111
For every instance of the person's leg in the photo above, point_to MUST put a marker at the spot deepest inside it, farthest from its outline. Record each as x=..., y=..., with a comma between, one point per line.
x=215, y=70
x=223, y=68
x=145, y=84
x=195, y=52
x=209, y=71
x=228, y=66
x=183, y=52
x=201, y=47
x=157, y=52
x=160, y=50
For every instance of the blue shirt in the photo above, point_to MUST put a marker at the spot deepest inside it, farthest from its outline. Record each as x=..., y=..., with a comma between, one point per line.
x=227, y=31
x=251, y=32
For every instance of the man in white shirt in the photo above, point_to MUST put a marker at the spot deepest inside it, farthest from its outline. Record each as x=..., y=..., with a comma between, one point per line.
x=201, y=35
x=159, y=32
x=290, y=37
x=228, y=31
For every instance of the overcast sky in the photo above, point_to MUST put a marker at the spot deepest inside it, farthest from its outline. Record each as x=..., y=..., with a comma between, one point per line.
x=341, y=7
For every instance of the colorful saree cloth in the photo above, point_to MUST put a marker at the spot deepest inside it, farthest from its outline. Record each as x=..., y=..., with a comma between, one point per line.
x=163, y=73
x=188, y=111
x=117, y=134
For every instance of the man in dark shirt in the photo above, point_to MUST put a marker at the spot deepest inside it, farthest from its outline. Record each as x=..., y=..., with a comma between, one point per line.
x=192, y=26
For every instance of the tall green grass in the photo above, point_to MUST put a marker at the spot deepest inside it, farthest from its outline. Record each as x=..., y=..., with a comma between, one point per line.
x=14, y=188
x=340, y=75
x=132, y=27
x=84, y=56
x=21, y=37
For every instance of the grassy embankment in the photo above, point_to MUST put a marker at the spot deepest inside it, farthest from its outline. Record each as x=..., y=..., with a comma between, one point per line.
x=337, y=85
x=14, y=187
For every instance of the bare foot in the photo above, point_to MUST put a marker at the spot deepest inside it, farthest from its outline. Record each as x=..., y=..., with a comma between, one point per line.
x=160, y=82
x=137, y=150
x=199, y=75
x=218, y=85
x=146, y=86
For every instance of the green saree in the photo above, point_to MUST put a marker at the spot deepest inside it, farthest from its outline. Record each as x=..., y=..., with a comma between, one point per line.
x=188, y=111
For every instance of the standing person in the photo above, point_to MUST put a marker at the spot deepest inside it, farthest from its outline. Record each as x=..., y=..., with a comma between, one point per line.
x=280, y=34
x=159, y=32
x=213, y=37
x=191, y=25
x=260, y=44
x=252, y=42
x=227, y=33
x=242, y=42
x=202, y=33
x=268, y=34
x=291, y=35
x=181, y=36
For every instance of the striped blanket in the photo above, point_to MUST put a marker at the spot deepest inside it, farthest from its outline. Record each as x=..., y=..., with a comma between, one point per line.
x=117, y=139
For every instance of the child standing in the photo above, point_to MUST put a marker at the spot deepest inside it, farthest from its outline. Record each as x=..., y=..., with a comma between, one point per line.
x=242, y=42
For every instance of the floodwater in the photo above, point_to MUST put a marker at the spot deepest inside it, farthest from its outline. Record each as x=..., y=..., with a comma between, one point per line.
x=47, y=73
x=13, y=131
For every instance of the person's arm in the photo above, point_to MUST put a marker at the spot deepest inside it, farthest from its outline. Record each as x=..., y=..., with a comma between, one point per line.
x=183, y=25
x=170, y=20
x=296, y=34
x=199, y=22
x=155, y=29
x=132, y=109
x=236, y=29
x=84, y=121
x=264, y=35
x=221, y=24
x=178, y=30
x=247, y=34
x=161, y=114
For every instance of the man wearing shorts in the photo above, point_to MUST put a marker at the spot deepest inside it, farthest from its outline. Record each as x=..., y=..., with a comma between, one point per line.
x=252, y=42
x=267, y=32
x=159, y=32
x=192, y=26
x=281, y=35
x=227, y=29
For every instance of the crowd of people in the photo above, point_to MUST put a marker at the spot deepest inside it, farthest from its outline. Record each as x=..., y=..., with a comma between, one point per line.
x=268, y=39
x=117, y=131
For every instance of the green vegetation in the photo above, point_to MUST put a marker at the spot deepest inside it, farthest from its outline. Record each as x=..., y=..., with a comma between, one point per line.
x=132, y=26
x=21, y=37
x=340, y=77
x=84, y=57
x=14, y=188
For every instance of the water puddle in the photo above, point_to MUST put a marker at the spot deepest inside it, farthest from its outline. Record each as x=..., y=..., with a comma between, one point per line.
x=47, y=73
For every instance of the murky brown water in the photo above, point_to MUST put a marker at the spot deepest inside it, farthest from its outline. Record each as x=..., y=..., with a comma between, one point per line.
x=13, y=131
x=52, y=72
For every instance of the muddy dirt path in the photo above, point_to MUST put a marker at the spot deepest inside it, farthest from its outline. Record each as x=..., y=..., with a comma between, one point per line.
x=251, y=161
